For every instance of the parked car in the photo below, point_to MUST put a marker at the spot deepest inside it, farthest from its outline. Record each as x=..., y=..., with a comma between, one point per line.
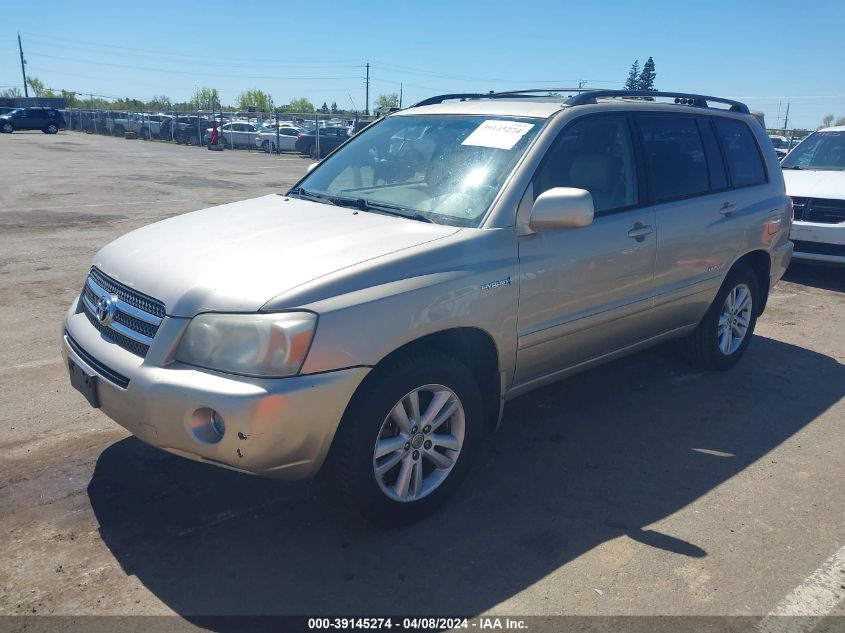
x=48, y=120
x=781, y=145
x=117, y=123
x=815, y=178
x=147, y=126
x=235, y=134
x=188, y=130
x=330, y=139
x=375, y=321
x=284, y=141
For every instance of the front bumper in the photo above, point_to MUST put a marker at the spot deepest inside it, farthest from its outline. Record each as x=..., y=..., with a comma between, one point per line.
x=274, y=427
x=816, y=241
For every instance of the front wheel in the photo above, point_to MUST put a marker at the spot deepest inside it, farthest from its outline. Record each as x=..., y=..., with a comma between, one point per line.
x=7, y=128
x=408, y=438
x=312, y=152
x=725, y=332
x=265, y=145
x=52, y=128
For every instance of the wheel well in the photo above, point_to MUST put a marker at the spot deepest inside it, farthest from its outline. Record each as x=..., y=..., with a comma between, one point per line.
x=472, y=347
x=761, y=263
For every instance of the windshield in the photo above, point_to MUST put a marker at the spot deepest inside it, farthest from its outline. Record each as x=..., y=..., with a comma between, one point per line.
x=446, y=169
x=820, y=150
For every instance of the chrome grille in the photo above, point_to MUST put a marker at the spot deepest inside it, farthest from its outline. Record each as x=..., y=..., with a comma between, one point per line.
x=137, y=316
x=822, y=210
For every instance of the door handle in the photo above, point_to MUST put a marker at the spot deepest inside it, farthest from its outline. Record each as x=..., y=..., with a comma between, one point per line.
x=640, y=231
x=727, y=208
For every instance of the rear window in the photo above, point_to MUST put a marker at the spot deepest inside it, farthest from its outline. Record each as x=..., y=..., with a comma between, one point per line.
x=745, y=164
x=675, y=157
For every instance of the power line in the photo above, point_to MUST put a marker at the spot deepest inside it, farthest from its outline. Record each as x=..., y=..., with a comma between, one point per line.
x=184, y=72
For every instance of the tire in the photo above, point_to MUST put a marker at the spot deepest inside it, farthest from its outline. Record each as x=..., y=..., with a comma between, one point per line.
x=51, y=128
x=225, y=143
x=119, y=130
x=146, y=133
x=713, y=344
x=380, y=498
x=312, y=151
x=7, y=128
x=265, y=145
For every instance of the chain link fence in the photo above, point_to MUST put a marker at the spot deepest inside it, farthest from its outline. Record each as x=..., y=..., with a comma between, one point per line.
x=313, y=134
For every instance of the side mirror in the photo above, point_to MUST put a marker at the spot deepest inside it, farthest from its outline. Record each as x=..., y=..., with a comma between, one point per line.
x=311, y=167
x=562, y=208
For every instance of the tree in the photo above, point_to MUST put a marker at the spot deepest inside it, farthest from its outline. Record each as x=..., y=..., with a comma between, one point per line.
x=301, y=105
x=257, y=99
x=827, y=121
x=159, y=102
x=334, y=107
x=11, y=93
x=70, y=99
x=647, y=76
x=388, y=101
x=633, y=81
x=37, y=86
x=325, y=108
x=840, y=121
x=205, y=99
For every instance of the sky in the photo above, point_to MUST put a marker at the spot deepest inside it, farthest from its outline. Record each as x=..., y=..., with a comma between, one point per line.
x=769, y=54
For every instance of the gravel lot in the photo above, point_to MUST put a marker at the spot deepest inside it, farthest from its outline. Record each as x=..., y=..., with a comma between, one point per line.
x=641, y=487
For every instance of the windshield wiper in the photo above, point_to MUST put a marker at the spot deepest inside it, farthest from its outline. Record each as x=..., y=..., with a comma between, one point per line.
x=384, y=207
x=362, y=204
x=794, y=167
x=395, y=209
x=311, y=195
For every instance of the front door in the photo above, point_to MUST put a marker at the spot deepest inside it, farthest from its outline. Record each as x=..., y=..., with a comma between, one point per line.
x=587, y=292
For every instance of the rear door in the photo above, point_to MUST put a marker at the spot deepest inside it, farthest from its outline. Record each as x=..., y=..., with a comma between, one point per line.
x=700, y=218
x=587, y=292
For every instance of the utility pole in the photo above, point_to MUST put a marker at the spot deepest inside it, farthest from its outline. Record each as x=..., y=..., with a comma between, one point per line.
x=786, y=118
x=23, y=67
x=367, y=93
x=400, y=95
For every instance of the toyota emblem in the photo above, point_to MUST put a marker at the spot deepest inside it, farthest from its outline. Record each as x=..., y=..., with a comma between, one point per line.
x=106, y=307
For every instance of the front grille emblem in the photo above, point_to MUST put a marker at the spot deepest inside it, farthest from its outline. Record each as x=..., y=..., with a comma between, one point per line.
x=106, y=307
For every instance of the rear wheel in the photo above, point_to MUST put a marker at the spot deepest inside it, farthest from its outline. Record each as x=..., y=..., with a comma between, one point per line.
x=51, y=128
x=408, y=438
x=312, y=151
x=725, y=332
x=118, y=130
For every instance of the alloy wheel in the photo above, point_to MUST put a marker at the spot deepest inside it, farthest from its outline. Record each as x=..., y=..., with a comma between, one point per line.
x=419, y=443
x=734, y=319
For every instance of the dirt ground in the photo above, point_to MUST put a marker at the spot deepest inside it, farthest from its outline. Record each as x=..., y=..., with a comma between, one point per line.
x=641, y=487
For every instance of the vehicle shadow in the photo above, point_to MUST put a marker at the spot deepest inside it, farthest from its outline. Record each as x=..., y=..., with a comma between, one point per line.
x=816, y=276
x=601, y=455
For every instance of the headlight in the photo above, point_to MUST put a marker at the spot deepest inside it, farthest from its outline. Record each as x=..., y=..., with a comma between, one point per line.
x=250, y=344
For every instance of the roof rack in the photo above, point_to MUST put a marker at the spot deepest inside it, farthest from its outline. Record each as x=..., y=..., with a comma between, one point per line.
x=528, y=92
x=588, y=96
x=683, y=98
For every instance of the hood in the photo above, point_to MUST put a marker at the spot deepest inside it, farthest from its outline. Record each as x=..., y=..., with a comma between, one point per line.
x=810, y=183
x=236, y=257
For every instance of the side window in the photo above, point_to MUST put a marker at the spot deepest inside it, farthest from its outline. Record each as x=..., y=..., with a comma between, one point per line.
x=744, y=161
x=593, y=154
x=715, y=162
x=674, y=152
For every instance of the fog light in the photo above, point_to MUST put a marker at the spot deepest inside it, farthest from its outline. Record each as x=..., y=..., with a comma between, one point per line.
x=207, y=426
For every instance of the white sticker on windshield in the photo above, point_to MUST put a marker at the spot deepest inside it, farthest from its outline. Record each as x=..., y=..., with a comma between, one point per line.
x=498, y=134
